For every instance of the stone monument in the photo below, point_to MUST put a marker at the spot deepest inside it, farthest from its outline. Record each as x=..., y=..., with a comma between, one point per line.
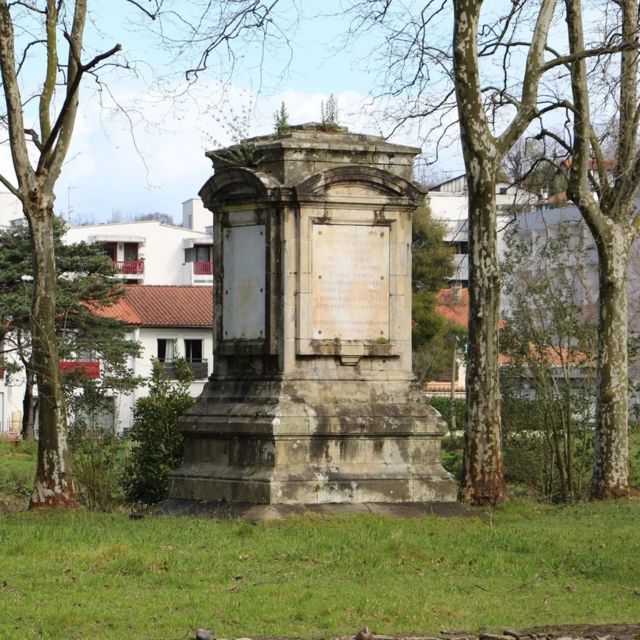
x=312, y=397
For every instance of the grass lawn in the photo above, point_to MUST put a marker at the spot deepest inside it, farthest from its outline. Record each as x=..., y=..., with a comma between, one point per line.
x=17, y=468
x=83, y=575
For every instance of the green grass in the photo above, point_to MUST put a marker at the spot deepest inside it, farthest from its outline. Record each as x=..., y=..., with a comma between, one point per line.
x=83, y=575
x=17, y=468
x=103, y=576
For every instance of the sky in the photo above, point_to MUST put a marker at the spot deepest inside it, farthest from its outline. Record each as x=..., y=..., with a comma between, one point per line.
x=148, y=155
x=140, y=136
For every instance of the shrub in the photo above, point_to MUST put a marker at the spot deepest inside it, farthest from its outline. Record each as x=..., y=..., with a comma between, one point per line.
x=156, y=442
x=547, y=450
x=98, y=457
x=445, y=407
x=452, y=454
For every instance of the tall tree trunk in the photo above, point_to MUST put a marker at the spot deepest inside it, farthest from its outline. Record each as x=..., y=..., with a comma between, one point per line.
x=611, y=450
x=53, y=485
x=483, y=474
x=28, y=408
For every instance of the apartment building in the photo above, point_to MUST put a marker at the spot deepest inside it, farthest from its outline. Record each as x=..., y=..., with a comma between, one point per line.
x=448, y=201
x=168, y=271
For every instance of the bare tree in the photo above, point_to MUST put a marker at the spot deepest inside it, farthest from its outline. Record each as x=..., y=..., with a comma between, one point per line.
x=483, y=151
x=37, y=162
x=605, y=191
x=31, y=34
x=427, y=82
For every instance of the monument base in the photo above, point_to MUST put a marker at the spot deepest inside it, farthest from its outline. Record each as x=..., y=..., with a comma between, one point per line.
x=283, y=441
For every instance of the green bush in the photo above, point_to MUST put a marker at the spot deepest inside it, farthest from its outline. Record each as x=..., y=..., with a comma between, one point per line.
x=451, y=457
x=452, y=445
x=156, y=442
x=98, y=461
x=444, y=406
x=545, y=456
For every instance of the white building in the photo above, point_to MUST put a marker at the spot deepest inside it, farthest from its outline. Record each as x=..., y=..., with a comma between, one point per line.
x=449, y=203
x=10, y=210
x=144, y=253
x=11, y=392
x=151, y=252
x=168, y=322
x=196, y=217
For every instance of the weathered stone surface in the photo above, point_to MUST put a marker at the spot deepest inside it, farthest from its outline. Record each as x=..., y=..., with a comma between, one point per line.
x=261, y=512
x=204, y=634
x=350, y=277
x=311, y=400
x=307, y=150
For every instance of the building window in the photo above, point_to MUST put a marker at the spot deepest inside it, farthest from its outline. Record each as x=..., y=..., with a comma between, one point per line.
x=110, y=249
x=193, y=350
x=166, y=349
x=130, y=251
x=198, y=253
x=203, y=253
x=460, y=247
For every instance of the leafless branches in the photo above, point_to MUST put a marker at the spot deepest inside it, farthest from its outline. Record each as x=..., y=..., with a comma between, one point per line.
x=203, y=27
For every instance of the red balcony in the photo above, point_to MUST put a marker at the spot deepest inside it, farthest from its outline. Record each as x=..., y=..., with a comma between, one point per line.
x=202, y=268
x=129, y=267
x=91, y=369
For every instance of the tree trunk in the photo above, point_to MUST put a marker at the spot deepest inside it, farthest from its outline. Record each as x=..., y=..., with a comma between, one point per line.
x=53, y=485
x=611, y=448
x=483, y=474
x=28, y=408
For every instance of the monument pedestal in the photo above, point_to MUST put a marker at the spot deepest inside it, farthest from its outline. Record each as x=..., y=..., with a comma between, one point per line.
x=312, y=400
x=297, y=441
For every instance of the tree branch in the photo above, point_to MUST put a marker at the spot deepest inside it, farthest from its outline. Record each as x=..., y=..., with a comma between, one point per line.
x=13, y=100
x=35, y=138
x=71, y=96
x=151, y=14
x=16, y=192
x=589, y=53
x=533, y=71
x=49, y=85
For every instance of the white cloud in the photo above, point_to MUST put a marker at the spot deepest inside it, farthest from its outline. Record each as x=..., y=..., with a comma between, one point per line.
x=158, y=161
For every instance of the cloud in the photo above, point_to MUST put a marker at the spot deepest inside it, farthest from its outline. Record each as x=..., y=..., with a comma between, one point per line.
x=139, y=151
x=150, y=156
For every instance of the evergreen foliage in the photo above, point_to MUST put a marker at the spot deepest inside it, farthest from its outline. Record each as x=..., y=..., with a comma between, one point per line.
x=86, y=281
x=330, y=113
x=281, y=120
x=157, y=443
x=432, y=263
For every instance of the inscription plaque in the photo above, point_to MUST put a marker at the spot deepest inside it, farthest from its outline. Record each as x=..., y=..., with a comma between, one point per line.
x=350, y=282
x=243, y=310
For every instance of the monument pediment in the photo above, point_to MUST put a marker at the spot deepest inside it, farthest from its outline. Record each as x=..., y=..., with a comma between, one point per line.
x=237, y=183
x=357, y=180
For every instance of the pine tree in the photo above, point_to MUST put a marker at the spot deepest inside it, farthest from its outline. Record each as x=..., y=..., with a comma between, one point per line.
x=86, y=281
x=432, y=263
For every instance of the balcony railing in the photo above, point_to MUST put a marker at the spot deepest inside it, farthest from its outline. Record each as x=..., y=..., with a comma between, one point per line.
x=91, y=369
x=202, y=268
x=129, y=267
x=200, y=368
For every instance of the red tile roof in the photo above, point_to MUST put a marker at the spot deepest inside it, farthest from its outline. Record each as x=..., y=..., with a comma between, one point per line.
x=453, y=305
x=552, y=356
x=163, y=306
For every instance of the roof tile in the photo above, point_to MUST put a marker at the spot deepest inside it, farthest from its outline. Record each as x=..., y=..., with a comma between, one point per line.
x=163, y=306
